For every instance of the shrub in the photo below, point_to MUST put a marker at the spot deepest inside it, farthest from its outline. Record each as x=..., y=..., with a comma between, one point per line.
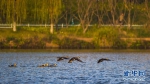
x=119, y=44
x=67, y=43
x=140, y=45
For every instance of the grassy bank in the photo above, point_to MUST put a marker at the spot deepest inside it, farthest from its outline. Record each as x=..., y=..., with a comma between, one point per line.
x=73, y=38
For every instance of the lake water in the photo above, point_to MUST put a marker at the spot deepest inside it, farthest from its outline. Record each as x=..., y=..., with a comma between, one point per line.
x=90, y=72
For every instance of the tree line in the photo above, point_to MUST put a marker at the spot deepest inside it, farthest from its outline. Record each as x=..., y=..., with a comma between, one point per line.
x=83, y=12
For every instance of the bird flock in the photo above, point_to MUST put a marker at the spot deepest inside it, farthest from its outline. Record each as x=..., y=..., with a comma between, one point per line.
x=63, y=58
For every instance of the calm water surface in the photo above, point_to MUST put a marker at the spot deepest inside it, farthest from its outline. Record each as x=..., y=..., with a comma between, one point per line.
x=90, y=72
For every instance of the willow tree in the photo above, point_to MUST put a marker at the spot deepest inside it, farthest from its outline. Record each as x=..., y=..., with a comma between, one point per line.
x=35, y=10
x=6, y=9
x=43, y=12
x=21, y=10
x=38, y=11
x=54, y=10
x=13, y=11
x=67, y=12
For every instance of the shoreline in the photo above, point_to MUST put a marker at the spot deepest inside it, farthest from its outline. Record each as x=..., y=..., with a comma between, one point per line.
x=75, y=50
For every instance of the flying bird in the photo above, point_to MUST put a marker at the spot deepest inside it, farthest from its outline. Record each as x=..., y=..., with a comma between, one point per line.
x=103, y=59
x=62, y=58
x=74, y=58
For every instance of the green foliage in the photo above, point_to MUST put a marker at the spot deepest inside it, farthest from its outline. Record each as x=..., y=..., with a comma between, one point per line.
x=53, y=38
x=119, y=44
x=31, y=43
x=43, y=11
x=73, y=38
x=143, y=32
x=106, y=36
x=2, y=44
x=138, y=32
x=67, y=43
x=11, y=8
x=44, y=30
x=140, y=45
x=10, y=38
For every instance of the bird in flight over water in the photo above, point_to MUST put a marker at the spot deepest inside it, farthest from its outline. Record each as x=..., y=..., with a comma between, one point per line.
x=103, y=59
x=62, y=58
x=74, y=58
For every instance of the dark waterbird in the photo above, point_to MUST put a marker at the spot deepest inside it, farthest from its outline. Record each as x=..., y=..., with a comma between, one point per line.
x=62, y=58
x=103, y=59
x=13, y=65
x=74, y=58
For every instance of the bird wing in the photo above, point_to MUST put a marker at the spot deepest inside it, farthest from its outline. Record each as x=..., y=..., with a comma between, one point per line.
x=100, y=60
x=66, y=57
x=59, y=59
x=103, y=59
x=70, y=61
x=63, y=57
x=106, y=59
x=78, y=60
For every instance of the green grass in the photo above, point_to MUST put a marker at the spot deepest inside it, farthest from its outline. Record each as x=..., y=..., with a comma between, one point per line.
x=92, y=32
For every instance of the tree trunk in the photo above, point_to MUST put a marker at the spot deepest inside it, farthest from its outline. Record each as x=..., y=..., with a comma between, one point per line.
x=14, y=26
x=129, y=19
x=52, y=28
x=14, y=16
x=85, y=29
x=66, y=20
x=113, y=17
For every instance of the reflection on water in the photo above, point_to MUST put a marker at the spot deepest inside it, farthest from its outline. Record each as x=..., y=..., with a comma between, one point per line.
x=90, y=72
